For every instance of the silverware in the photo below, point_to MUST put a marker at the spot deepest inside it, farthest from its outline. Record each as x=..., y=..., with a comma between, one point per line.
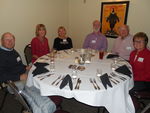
x=96, y=84
x=113, y=79
x=60, y=80
x=43, y=77
x=66, y=52
x=92, y=83
x=120, y=77
x=77, y=83
x=56, y=80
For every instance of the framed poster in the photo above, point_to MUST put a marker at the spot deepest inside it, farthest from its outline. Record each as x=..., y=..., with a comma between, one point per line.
x=113, y=14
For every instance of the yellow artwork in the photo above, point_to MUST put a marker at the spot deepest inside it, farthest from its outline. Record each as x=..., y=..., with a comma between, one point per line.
x=113, y=14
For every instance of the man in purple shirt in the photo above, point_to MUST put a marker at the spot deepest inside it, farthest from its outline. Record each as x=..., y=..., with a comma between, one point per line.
x=124, y=43
x=96, y=40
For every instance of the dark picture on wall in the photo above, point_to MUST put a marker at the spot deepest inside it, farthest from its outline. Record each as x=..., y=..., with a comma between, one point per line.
x=113, y=14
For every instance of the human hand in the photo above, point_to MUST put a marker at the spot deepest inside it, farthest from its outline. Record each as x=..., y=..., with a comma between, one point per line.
x=23, y=76
x=28, y=68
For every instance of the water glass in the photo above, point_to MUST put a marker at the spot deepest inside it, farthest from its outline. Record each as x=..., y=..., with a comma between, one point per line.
x=98, y=72
x=74, y=74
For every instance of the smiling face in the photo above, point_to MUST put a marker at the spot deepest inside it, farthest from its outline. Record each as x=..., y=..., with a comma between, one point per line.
x=8, y=41
x=61, y=32
x=41, y=32
x=139, y=43
x=96, y=26
x=123, y=31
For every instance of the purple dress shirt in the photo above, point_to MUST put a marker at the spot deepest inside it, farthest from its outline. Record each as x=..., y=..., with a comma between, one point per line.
x=123, y=47
x=96, y=41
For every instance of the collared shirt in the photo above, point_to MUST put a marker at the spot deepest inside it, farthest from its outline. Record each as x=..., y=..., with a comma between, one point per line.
x=6, y=49
x=95, y=41
x=140, y=63
x=123, y=47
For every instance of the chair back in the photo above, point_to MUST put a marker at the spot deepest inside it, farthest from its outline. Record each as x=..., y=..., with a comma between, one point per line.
x=28, y=54
x=19, y=97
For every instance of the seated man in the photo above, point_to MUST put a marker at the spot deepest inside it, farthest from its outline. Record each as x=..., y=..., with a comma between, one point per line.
x=11, y=66
x=96, y=40
x=123, y=44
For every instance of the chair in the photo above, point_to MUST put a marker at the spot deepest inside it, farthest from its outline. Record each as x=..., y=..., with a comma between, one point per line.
x=5, y=93
x=57, y=100
x=22, y=100
x=19, y=97
x=28, y=54
x=141, y=97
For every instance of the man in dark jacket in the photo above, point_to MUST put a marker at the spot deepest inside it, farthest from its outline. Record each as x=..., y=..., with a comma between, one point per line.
x=11, y=66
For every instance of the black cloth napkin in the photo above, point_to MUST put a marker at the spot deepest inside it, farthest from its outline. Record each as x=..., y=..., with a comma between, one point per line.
x=124, y=70
x=40, y=68
x=112, y=56
x=39, y=64
x=65, y=81
x=105, y=80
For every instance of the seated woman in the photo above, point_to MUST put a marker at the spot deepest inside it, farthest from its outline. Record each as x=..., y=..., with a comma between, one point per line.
x=39, y=44
x=140, y=62
x=62, y=42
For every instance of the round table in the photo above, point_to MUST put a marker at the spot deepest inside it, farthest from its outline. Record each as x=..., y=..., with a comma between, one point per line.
x=115, y=99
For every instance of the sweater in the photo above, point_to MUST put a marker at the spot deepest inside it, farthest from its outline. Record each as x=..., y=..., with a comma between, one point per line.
x=11, y=66
x=141, y=65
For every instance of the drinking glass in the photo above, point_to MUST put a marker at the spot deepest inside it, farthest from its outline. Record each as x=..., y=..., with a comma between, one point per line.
x=74, y=74
x=98, y=72
x=101, y=54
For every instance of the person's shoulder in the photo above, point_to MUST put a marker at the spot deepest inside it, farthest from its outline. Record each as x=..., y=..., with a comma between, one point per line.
x=133, y=52
x=90, y=34
x=34, y=39
x=68, y=38
x=147, y=50
x=57, y=38
x=102, y=35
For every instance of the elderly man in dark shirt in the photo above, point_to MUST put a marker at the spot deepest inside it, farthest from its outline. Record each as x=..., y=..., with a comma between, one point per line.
x=11, y=66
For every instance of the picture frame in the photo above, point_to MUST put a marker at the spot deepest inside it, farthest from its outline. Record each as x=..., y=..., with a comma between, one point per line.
x=113, y=14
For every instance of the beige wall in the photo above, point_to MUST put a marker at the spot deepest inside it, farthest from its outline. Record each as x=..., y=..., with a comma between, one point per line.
x=82, y=14
x=21, y=16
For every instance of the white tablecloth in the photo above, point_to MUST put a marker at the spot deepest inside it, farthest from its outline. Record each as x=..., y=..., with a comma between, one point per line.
x=115, y=99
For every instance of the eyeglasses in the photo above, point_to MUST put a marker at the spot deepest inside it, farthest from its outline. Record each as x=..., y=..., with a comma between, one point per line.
x=139, y=42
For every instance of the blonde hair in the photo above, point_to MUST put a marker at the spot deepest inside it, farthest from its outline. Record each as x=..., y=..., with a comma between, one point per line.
x=61, y=27
x=38, y=27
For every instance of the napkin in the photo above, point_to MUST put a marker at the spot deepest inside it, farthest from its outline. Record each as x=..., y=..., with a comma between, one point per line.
x=105, y=80
x=65, y=81
x=39, y=64
x=112, y=56
x=124, y=70
x=40, y=68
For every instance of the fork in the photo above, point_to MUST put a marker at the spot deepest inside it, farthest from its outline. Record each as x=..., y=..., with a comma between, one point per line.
x=96, y=84
x=60, y=80
x=56, y=80
x=113, y=79
x=43, y=77
x=79, y=82
x=114, y=75
x=92, y=83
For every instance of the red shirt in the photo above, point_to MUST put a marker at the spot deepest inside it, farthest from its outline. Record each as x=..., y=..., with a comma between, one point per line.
x=141, y=65
x=39, y=48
